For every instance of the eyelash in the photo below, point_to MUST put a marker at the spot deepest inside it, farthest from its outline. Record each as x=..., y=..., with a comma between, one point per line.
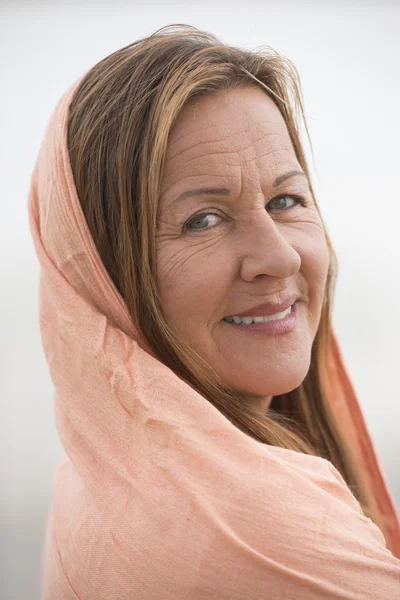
x=299, y=201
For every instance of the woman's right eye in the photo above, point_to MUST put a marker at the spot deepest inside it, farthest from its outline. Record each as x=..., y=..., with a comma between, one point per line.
x=200, y=218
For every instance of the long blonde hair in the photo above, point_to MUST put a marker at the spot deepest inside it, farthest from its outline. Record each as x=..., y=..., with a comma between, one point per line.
x=119, y=122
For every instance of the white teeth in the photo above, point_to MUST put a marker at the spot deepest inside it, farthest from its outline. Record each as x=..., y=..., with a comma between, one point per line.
x=258, y=319
x=245, y=320
x=266, y=319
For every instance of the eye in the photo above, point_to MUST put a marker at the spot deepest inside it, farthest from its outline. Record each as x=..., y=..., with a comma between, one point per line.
x=199, y=218
x=297, y=200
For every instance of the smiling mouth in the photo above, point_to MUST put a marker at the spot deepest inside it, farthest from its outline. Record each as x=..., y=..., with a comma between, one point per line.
x=262, y=319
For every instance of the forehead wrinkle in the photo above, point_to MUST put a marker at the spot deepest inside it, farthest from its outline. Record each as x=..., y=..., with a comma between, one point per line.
x=201, y=142
x=173, y=158
x=229, y=151
x=212, y=127
x=242, y=162
x=202, y=130
x=221, y=139
x=257, y=158
x=198, y=158
x=190, y=133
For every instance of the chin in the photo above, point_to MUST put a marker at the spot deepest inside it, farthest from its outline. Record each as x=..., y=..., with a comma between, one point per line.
x=278, y=384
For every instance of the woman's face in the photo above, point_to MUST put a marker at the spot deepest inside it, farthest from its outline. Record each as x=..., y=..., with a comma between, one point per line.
x=244, y=247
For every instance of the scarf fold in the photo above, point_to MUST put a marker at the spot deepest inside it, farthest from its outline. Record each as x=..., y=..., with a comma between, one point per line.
x=159, y=496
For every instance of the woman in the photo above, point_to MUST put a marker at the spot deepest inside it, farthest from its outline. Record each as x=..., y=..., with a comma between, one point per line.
x=208, y=454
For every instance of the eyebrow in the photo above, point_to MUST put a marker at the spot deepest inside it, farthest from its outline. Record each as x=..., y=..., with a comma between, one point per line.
x=225, y=192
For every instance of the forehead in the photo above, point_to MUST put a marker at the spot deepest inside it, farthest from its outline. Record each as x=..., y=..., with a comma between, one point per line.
x=219, y=133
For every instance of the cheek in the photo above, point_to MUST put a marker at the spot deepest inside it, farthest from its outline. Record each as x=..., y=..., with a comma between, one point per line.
x=318, y=259
x=310, y=242
x=315, y=260
x=191, y=283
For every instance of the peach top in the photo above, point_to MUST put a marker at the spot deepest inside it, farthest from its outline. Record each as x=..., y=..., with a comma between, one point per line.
x=159, y=496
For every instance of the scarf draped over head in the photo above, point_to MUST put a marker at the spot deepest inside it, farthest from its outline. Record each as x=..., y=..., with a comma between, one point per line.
x=159, y=495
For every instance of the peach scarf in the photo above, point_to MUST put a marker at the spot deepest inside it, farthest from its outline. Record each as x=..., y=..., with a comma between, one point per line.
x=159, y=496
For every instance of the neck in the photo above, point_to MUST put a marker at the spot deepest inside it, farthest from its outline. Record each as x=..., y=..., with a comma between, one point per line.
x=259, y=403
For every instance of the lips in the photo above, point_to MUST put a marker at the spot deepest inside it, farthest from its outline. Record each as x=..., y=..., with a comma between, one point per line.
x=268, y=308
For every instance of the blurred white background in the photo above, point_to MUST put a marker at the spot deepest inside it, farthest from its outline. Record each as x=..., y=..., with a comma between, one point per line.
x=348, y=56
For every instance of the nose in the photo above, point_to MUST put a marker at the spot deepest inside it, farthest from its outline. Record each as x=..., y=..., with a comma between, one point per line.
x=268, y=248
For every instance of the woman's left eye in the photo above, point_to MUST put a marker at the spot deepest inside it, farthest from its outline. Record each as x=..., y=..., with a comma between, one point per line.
x=296, y=199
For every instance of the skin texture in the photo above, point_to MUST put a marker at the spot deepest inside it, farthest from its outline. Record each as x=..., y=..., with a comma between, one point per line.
x=251, y=251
